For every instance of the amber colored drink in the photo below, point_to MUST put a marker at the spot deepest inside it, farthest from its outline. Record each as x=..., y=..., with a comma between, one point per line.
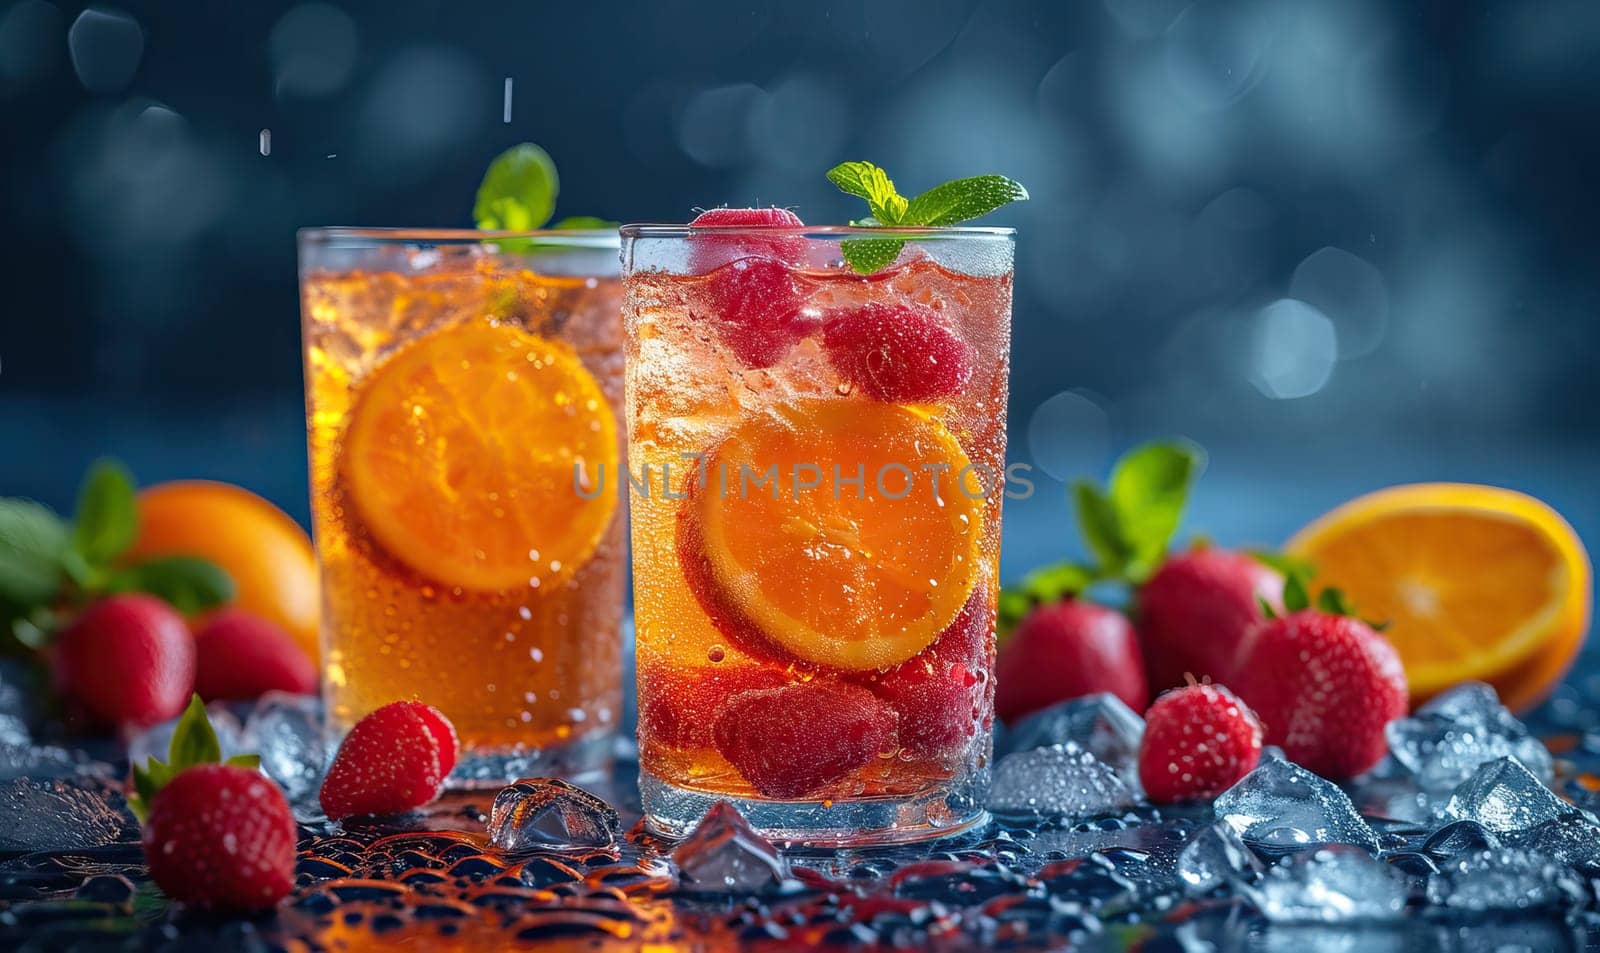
x=462, y=397
x=816, y=469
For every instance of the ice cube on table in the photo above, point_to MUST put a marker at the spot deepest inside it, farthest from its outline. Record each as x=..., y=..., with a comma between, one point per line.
x=548, y=813
x=1062, y=781
x=1452, y=735
x=1460, y=837
x=1503, y=880
x=1216, y=856
x=724, y=855
x=47, y=761
x=1101, y=724
x=56, y=814
x=1503, y=796
x=1571, y=840
x=1334, y=884
x=287, y=732
x=154, y=741
x=1281, y=807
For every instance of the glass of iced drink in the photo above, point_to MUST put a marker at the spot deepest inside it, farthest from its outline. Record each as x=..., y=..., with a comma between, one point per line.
x=816, y=475
x=462, y=393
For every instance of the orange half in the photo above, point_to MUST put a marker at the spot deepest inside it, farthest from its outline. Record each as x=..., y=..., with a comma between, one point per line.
x=474, y=456
x=1476, y=582
x=832, y=574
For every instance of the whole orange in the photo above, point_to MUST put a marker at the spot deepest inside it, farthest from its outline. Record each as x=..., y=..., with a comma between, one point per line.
x=268, y=555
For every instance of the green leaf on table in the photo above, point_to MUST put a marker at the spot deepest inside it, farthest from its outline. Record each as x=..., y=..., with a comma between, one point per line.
x=107, y=519
x=33, y=541
x=961, y=200
x=518, y=192
x=588, y=222
x=189, y=583
x=1149, y=488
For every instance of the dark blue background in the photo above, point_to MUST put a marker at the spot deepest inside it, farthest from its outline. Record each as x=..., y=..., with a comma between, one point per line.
x=1340, y=245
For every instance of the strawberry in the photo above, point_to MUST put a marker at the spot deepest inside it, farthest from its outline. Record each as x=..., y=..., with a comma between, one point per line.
x=127, y=660
x=897, y=353
x=241, y=656
x=755, y=306
x=392, y=761
x=938, y=694
x=221, y=836
x=794, y=741
x=444, y=733
x=1067, y=650
x=678, y=705
x=1194, y=612
x=1199, y=740
x=1324, y=686
x=710, y=249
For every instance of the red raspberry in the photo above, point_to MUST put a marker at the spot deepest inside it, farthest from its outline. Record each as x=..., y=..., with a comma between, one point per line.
x=707, y=250
x=221, y=837
x=755, y=305
x=443, y=732
x=1198, y=742
x=938, y=694
x=897, y=353
x=127, y=660
x=1194, y=613
x=241, y=657
x=677, y=705
x=793, y=742
x=1067, y=650
x=1325, y=686
x=389, y=763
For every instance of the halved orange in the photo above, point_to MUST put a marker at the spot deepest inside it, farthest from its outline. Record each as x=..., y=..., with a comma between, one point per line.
x=466, y=454
x=841, y=575
x=1477, y=582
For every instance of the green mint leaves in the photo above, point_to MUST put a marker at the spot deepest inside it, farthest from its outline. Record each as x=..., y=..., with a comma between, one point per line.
x=48, y=565
x=518, y=194
x=956, y=201
x=194, y=742
x=1127, y=526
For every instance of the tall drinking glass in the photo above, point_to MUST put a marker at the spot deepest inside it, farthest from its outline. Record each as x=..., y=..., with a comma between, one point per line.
x=816, y=474
x=462, y=393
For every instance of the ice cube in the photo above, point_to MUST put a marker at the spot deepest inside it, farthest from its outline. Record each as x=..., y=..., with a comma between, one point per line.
x=723, y=854
x=1460, y=837
x=287, y=732
x=1571, y=840
x=536, y=813
x=55, y=814
x=1503, y=880
x=1214, y=857
x=47, y=761
x=1280, y=806
x=1102, y=725
x=1503, y=796
x=1061, y=780
x=1452, y=735
x=1330, y=884
x=153, y=741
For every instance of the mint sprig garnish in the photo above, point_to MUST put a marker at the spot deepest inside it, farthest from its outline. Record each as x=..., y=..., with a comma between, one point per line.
x=49, y=566
x=518, y=194
x=193, y=742
x=956, y=201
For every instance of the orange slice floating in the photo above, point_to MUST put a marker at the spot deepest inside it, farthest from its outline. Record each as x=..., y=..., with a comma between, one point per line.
x=1477, y=582
x=831, y=574
x=460, y=458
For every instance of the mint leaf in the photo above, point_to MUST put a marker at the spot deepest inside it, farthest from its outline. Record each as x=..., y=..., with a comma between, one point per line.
x=106, y=520
x=1149, y=487
x=1101, y=528
x=960, y=200
x=518, y=192
x=32, y=542
x=586, y=222
x=190, y=584
x=867, y=181
x=868, y=255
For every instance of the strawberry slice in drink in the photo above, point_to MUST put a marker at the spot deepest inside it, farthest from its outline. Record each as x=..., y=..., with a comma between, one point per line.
x=938, y=694
x=797, y=740
x=679, y=703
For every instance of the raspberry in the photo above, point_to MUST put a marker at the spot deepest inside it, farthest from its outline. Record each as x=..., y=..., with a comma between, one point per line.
x=443, y=733
x=755, y=305
x=937, y=694
x=708, y=250
x=1198, y=742
x=389, y=763
x=897, y=353
x=221, y=837
x=794, y=741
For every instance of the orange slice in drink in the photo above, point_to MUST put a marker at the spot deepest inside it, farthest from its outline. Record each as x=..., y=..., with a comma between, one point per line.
x=786, y=547
x=1477, y=582
x=466, y=454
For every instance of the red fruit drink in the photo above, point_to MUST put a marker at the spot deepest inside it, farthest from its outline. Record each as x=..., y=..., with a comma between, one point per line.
x=816, y=469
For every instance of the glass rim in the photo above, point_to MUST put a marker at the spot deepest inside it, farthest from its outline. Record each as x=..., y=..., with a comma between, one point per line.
x=910, y=232
x=597, y=238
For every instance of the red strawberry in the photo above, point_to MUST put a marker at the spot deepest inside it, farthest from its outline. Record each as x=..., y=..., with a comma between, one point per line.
x=678, y=705
x=1067, y=650
x=1194, y=613
x=389, y=763
x=710, y=249
x=794, y=741
x=937, y=694
x=755, y=306
x=897, y=353
x=242, y=656
x=221, y=837
x=1198, y=741
x=443, y=732
x=1324, y=686
x=127, y=660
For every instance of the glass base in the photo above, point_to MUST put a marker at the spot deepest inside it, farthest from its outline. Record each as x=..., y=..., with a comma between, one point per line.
x=939, y=811
x=587, y=759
